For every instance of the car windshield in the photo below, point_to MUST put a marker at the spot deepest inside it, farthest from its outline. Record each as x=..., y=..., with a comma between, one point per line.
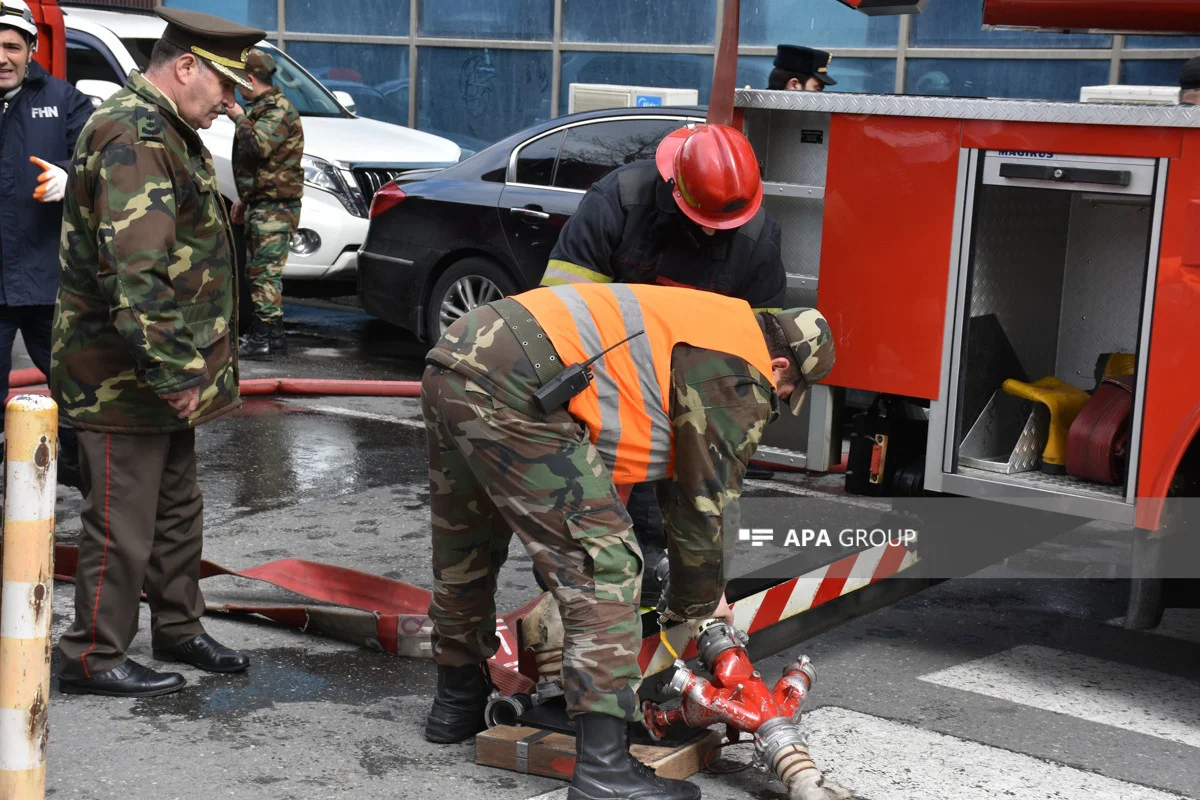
x=309, y=97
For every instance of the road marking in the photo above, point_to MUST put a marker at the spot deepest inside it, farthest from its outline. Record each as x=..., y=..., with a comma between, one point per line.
x=354, y=412
x=1093, y=689
x=880, y=758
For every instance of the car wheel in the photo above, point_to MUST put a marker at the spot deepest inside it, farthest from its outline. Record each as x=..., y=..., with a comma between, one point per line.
x=466, y=285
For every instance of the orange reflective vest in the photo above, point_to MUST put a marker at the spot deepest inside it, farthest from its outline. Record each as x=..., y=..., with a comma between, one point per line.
x=627, y=407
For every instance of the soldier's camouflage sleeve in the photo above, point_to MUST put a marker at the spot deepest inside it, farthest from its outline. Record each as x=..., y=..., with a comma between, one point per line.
x=720, y=406
x=584, y=248
x=263, y=135
x=136, y=217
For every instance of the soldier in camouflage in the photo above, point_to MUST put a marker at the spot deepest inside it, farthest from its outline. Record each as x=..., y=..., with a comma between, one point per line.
x=143, y=353
x=498, y=466
x=267, y=145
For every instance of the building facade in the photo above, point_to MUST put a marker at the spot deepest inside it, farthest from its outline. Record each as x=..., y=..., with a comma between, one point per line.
x=477, y=70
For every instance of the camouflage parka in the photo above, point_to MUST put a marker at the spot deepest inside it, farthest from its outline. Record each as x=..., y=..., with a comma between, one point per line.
x=146, y=298
x=267, y=146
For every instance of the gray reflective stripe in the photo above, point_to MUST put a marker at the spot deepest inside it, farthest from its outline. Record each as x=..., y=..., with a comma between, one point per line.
x=652, y=398
x=606, y=387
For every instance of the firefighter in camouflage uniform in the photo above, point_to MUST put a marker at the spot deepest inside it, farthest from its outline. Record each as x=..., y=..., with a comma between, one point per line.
x=682, y=405
x=142, y=353
x=267, y=146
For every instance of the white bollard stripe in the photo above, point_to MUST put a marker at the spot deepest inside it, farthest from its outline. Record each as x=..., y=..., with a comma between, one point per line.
x=864, y=569
x=31, y=492
x=18, y=619
x=1093, y=689
x=17, y=752
x=886, y=759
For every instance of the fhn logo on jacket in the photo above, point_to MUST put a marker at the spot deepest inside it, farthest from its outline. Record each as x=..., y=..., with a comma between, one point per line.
x=44, y=112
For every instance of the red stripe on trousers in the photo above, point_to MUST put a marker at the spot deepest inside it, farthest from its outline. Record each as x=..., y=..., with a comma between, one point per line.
x=835, y=580
x=104, y=558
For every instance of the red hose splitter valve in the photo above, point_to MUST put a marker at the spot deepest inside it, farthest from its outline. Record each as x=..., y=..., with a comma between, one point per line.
x=738, y=697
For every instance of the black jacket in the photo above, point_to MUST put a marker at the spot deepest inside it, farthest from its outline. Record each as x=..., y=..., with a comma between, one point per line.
x=44, y=120
x=628, y=229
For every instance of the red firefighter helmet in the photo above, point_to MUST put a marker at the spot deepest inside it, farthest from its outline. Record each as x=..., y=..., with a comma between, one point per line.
x=715, y=175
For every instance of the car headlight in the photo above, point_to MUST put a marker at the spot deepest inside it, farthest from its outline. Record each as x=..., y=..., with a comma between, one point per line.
x=320, y=174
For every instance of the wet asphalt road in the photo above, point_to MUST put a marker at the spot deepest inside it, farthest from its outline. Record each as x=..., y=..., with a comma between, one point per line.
x=958, y=692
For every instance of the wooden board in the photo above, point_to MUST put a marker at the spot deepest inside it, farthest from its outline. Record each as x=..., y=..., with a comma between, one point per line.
x=535, y=751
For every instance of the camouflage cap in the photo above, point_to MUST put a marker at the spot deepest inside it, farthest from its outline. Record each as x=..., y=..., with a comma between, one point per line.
x=222, y=44
x=812, y=345
x=260, y=64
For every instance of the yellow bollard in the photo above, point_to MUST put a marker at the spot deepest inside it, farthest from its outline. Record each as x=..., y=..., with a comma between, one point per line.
x=26, y=589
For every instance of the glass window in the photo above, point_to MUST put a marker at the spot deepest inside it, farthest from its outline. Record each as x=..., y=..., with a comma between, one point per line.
x=535, y=161
x=872, y=75
x=959, y=23
x=640, y=21
x=970, y=77
x=478, y=96
x=1162, y=42
x=1151, y=73
x=487, y=19
x=86, y=63
x=256, y=13
x=375, y=75
x=592, y=151
x=375, y=17
x=660, y=70
x=815, y=23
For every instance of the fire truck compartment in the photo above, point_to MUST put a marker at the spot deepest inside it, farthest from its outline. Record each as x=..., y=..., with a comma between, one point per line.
x=1057, y=255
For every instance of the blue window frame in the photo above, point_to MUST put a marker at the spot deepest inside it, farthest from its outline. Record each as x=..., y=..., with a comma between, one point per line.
x=871, y=75
x=640, y=21
x=375, y=17
x=375, y=75
x=477, y=96
x=1151, y=73
x=1028, y=79
x=666, y=71
x=959, y=23
x=815, y=23
x=488, y=19
x=1162, y=42
x=256, y=13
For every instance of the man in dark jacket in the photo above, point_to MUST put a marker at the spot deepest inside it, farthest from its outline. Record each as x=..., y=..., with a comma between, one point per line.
x=40, y=120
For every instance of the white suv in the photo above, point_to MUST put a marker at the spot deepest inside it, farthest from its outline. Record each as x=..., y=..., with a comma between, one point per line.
x=346, y=158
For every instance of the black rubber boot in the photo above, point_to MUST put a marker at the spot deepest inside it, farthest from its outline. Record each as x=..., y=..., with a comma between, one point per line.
x=604, y=770
x=457, y=713
x=257, y=343
x=278, y=337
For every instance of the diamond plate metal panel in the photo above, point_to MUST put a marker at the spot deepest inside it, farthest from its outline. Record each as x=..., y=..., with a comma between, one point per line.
x=1180, y=116
x=800, y=221
x=1103, y=285
x=1020, y=250
x=1063, y=484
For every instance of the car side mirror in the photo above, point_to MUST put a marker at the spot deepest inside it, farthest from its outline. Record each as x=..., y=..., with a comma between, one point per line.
x=98, y=91
x=346, y=100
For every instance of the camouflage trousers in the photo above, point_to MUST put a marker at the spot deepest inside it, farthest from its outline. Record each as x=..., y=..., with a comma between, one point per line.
x=269, y=230
x=493, y=471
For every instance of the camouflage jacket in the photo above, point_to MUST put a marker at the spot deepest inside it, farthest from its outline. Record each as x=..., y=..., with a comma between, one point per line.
x=146, y=297
x=719, y=407
x=267, y=145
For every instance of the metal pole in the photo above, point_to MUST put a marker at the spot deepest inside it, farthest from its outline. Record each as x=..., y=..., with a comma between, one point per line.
x=26, y=590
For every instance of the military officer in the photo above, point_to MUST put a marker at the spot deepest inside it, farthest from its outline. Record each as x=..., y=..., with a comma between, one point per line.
x=682, y=404
x=800, y=69
x=267, y=146
x=143, y=353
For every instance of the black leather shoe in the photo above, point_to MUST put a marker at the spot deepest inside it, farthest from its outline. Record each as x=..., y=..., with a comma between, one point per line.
x=278, y=338
x=256, y=345
x=604, y=770
x=130, y=679
x=205, y=653
x=457, y=713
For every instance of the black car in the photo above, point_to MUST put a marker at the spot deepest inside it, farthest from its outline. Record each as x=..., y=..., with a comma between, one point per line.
x=442, y=242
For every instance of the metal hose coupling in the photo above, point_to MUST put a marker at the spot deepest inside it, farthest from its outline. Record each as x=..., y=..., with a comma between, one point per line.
x=713, y=637
x=799, y=677
x=781, y=746
x=506, y=709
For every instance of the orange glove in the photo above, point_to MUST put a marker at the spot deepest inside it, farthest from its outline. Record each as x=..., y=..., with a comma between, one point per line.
x=52, y=183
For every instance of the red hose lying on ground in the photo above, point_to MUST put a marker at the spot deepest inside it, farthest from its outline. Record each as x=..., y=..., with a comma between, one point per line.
x=254, y=387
